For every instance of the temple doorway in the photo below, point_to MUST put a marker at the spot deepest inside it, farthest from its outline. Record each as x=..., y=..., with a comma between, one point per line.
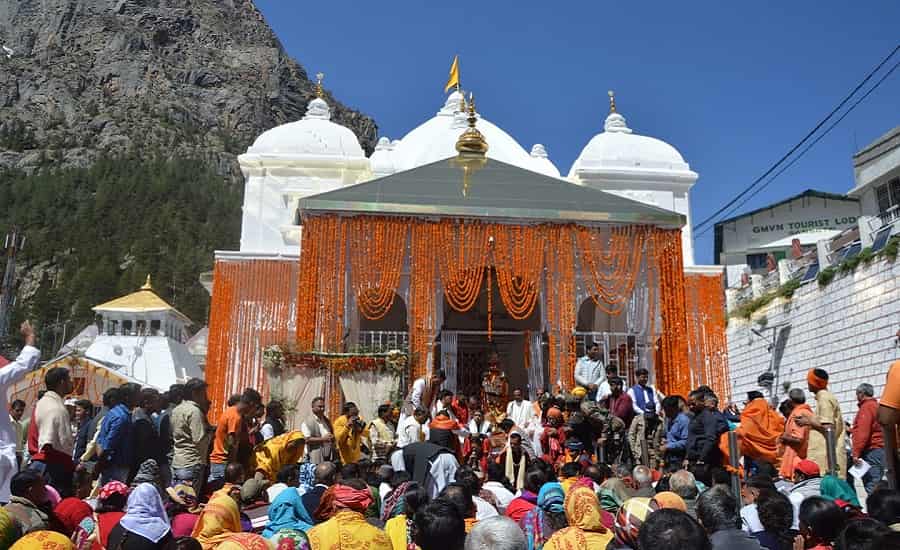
x=466, y=345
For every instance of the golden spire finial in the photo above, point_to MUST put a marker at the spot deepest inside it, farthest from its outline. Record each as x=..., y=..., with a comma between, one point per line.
x=320, y=93
x=147, y=285
x=471, y=143
x=612, y=101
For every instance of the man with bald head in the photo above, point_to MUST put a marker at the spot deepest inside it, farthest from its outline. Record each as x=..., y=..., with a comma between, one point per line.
x=325, y=474
x=795, y=438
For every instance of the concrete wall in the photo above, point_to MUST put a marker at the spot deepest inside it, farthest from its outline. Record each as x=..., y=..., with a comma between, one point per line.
x=849, y=328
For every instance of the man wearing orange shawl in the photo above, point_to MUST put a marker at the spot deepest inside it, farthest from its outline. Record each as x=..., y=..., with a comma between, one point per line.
x=759, y=431
x=585, y=528
x=220, y=519
x=795, y=438
x=346, y=527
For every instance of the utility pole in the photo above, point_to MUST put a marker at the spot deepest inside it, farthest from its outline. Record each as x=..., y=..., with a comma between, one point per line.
x=13, y=243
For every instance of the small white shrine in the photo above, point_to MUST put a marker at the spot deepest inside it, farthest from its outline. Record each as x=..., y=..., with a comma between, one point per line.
x=143, y=337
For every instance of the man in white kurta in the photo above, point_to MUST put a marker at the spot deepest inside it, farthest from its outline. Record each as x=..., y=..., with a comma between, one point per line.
x=519, y=410
x=589, y=371
x=26, y=362
x=417, y=393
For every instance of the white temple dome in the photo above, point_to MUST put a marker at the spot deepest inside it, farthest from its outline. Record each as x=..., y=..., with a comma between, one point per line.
x=618, y=149
x=540, y=161
x=312, y=136
x=382, y=160
x=436, y=139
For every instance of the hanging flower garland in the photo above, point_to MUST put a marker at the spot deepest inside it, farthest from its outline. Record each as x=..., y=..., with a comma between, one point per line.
x=610, y=263
x=423, y=288
x=376, y=247
x=518, y=258
x=673, y=374
x=561, y=307
x=707, y=345
x=284, y=357
x=462, y=257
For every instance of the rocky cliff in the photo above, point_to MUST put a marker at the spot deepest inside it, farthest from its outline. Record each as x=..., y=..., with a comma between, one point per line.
x=84, y=78
x=120, y=123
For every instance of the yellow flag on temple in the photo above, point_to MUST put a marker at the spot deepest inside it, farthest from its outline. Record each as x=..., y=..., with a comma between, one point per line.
x=454, y=75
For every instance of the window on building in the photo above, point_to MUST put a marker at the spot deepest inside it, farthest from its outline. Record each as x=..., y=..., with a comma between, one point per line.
x=760, y=262
x=888, y=197
x=756, y=261
x=127, y=328
x=155, y=327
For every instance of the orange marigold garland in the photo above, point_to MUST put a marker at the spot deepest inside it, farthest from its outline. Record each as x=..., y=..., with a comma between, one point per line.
x=423, y=322
x=376, y=247
x=518, y=258
x=561, y=307
x=610, y=263
x=251, y=308
x=708, y=348
x=673, y=375
x=462, y=257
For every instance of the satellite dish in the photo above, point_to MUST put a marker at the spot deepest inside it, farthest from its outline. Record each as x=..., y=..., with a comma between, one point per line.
x=117, y=349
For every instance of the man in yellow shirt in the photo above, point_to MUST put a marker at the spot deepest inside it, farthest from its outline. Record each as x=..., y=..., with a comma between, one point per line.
x=889, y=418
x=349, y=431
x=828, y=415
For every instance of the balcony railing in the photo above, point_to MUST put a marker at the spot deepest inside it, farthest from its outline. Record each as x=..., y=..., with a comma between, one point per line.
x=383, y=340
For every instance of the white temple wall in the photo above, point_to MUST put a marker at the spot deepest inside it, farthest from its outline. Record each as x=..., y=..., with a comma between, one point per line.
x=271, y=194
x=848, y=328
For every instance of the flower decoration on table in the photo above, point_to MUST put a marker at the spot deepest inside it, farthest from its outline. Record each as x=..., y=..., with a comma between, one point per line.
x=282, y=357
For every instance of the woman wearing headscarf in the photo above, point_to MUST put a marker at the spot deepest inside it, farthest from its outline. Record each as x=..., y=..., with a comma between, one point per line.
x=287, y=512
x=110, y=509
x=585, y=528
x=836, y=489
x=77, y=520
x=629, y=520
x=220, y=519
x=613, y=492
x=546, y=518
x=43, y=540
x=345, y=504
x=145, y=524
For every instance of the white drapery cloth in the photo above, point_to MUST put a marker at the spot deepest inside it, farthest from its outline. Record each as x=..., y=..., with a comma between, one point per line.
x=368, y=389
x=296, y=388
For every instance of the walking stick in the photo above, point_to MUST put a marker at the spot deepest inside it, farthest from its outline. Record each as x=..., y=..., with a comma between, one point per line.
x=831, y=452
x=734, y=462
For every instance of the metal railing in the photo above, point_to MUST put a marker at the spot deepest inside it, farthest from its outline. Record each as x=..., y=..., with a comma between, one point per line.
x=383, y=340
x=890, y=215
x=626, y=351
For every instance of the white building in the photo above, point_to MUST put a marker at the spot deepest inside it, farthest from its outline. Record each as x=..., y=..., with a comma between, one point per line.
x=877, y=171
x=314, y=155
x=849, y=327
x=744, y=243
x=143, y=337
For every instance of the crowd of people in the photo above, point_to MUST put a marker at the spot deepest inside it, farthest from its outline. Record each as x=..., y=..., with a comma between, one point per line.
x=604, y=466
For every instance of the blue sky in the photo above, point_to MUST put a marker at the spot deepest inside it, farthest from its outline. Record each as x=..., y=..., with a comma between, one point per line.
x=732, y=85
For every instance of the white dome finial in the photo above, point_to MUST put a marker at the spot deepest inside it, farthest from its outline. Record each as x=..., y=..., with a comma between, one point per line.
x=615, y=122
x=455, y=103
x=539, y=151
x=318, y=108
